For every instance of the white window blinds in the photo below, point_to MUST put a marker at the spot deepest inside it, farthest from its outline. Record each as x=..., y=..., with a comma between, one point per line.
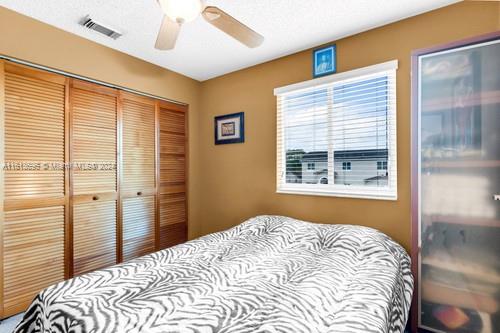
x=344, y=125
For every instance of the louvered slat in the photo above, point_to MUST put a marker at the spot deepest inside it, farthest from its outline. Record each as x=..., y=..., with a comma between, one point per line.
x=172, y=143
x=94, y=236
x=33, y=253
x=173, y=169
x=172, y=234
x=34, y=176
x=138, y=145
x=173, y=208
x=94, y=141
x=173, y=217
x=94, y=181
x=173, y=121
x=34, y=134
x=138, y=170
x=152, y=192
x=23, y=184
x=94, y=147
x=138, y=227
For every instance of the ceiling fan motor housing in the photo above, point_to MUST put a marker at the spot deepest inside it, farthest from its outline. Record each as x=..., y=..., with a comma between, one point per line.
x=182, y=11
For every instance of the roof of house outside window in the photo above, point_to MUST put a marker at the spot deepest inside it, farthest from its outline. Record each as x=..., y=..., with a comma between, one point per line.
x=315, y=156
x=367, y=154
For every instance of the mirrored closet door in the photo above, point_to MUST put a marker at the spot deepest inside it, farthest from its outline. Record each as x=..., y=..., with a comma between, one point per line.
x=457, y=186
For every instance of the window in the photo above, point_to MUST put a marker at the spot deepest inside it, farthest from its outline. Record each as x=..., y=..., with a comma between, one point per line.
x=382, y=165
x=346, y=165
x=346, y=124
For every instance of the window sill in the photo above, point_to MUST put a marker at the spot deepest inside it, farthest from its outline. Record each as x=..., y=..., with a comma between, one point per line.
x=340, y=194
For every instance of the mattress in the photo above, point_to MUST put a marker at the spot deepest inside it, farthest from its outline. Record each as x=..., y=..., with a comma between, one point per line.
x=268, y=274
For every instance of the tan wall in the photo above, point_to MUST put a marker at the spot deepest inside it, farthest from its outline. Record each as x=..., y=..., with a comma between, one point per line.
x=238, y=181
x=24, y=38
x=231, y=183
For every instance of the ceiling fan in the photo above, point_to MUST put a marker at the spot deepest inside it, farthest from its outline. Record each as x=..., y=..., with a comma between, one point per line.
x=178, y=12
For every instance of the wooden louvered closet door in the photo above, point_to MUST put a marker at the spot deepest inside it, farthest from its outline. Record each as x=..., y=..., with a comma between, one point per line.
x=94, y=176
x=172, y=180
x=35, y=187
x=138, y=175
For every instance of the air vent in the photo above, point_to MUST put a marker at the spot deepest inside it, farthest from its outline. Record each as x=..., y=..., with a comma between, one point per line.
x=89, y=23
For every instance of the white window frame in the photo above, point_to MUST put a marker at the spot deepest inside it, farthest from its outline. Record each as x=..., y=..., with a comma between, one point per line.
x=338, y=190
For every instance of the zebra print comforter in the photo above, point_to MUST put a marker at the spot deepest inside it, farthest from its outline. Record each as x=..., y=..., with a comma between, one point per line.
x=268, y=274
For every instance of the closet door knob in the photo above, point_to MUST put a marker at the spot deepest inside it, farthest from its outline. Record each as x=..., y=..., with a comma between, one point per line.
x=95, y=197
x=139, y=193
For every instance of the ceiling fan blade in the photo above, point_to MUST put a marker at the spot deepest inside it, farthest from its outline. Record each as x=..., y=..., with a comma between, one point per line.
x=231, y=26
x=167, y=36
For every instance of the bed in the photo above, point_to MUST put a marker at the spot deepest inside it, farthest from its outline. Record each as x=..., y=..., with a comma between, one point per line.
x=268, y=274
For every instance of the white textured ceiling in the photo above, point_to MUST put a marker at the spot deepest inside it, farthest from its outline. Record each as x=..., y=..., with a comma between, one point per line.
x=203, y=52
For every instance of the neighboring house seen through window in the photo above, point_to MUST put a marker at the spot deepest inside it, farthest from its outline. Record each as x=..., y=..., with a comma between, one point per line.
x=337, y=134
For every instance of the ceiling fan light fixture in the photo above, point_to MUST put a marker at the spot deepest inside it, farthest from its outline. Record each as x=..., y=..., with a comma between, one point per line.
x=182, y=10
x=177, y=12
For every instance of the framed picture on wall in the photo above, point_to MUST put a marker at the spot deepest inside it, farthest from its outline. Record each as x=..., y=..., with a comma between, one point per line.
x=325, y=60
x=230, y=128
